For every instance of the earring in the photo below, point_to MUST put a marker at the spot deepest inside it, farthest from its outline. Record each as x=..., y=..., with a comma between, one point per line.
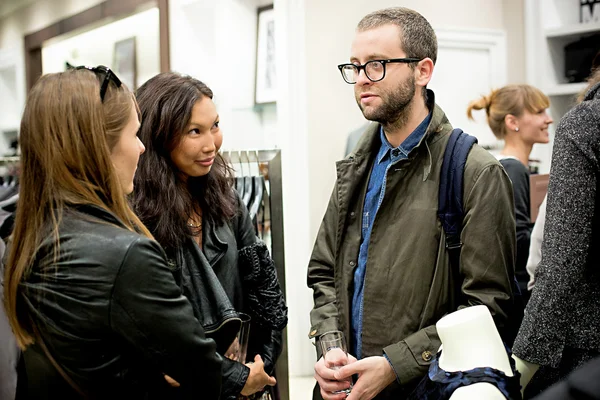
x=517, y=129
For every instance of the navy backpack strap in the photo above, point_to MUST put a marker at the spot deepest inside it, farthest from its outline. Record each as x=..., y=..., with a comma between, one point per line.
x=450, y=200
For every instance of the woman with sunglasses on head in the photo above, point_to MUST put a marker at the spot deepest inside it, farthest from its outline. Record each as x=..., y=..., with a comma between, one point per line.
x=88, y=292
x=184, y=195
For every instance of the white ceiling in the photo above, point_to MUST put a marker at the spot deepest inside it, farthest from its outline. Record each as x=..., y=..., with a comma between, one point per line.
x=9, y=6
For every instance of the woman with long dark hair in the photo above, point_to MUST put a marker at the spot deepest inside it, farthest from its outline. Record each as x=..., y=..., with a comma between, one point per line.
x=88, y=293
x=185, y=197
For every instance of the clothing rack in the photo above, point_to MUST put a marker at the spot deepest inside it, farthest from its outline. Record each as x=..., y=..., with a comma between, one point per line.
x=266, y=166
x=9, y=172
x=9, y=194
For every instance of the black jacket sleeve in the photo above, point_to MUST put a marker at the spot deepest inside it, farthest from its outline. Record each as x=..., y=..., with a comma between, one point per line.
x=149, y=312
x=235, y=375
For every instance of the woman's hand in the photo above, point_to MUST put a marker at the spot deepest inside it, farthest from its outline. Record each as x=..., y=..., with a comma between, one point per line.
x=258, y=378
x=233, y=352
x=171, y=381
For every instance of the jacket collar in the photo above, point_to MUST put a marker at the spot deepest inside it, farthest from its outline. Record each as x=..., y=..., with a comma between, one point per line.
x=214, y=247
x=97, y=212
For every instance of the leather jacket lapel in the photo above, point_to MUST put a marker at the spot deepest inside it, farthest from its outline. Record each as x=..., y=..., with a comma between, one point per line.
x=210, y=302
x=213, y=246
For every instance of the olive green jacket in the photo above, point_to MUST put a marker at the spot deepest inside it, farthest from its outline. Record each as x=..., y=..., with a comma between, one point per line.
x=408, y=283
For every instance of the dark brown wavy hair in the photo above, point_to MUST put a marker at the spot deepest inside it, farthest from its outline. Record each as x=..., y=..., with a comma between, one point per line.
x=161, y=199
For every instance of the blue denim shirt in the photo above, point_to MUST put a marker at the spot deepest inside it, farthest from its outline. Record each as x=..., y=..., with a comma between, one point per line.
x=386, y=157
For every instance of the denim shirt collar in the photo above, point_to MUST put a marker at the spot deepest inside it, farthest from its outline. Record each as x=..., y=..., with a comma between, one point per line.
x=406, y=146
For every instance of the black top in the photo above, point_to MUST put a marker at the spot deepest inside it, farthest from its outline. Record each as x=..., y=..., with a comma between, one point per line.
x=583, y=384
x=112, y=316
x=519, y=176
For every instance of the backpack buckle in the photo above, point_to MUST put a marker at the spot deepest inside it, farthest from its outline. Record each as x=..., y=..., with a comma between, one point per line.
x=453, y=242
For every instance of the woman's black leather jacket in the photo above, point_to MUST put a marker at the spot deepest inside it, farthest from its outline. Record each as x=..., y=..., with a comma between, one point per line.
x=112, y=316
x=231, y=274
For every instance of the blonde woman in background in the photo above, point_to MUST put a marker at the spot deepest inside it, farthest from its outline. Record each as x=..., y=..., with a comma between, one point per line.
x=517, y=114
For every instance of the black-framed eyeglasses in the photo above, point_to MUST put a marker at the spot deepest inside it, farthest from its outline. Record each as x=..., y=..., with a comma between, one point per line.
x=105, y=75
x=374, y=69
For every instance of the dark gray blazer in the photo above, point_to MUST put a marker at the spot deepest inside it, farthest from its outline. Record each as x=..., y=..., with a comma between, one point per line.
x=564, y=310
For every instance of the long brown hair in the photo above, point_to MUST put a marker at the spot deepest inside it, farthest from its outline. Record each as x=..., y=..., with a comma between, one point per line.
x=160, y=199
x=66, y=137
x=510, y=99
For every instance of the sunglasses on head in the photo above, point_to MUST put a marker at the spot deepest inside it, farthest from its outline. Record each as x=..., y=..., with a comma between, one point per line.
x=105, y=75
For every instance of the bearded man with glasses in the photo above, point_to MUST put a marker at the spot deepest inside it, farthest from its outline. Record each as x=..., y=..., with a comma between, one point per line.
x=379, y=269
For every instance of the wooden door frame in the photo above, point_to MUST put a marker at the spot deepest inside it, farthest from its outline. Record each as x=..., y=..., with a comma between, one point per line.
x=105, y=11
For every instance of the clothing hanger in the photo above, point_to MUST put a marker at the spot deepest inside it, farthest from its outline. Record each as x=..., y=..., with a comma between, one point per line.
x=247, y=182
x=226, y=155
x=13, y=182
x=239, y=180
x=258, y=186
x=264, y=214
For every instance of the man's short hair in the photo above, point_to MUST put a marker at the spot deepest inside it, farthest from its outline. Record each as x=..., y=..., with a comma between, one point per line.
x=417, y=37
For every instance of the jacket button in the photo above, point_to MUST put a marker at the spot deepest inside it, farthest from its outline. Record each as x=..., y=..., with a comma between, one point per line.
x=352, y=263
x=352, y=214
x=427, y=356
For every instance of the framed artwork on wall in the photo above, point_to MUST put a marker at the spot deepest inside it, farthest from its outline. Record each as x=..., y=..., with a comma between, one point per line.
x=266, y=73
x=124, y=62
x=589, y=11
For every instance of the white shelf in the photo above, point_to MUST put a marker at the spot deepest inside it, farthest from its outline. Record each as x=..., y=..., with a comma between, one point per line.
x=565, y=89
x=572, y=30
x=9, y=126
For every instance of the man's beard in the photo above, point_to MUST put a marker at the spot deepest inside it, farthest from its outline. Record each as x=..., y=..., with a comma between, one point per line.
x=396, y=105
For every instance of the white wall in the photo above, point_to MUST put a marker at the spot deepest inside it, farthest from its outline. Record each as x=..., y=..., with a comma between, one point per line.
x=96, y=47
x=12, y=76
x=37, y=16
x=513, y=17
x=215, y=41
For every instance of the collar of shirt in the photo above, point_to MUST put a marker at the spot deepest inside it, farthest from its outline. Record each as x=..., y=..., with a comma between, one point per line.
x=405, y=147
